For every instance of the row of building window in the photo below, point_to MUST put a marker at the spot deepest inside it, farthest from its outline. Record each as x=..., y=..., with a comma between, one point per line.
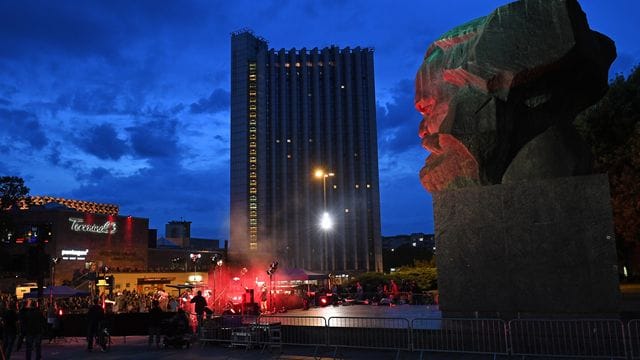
x=253, y=157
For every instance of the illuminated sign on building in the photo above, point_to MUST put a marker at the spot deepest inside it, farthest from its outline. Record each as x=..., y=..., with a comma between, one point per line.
x=77, y=224
x=75, y=254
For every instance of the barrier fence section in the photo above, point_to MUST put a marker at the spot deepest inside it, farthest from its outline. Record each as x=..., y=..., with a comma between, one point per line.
x=583, y=338
x=633, y=333
x=221, y=328
x=370, y=333
x=298, y=330
x=481, y=336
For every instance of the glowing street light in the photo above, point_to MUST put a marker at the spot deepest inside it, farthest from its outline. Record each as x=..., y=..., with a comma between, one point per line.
x=321, y=174
x=326, y=223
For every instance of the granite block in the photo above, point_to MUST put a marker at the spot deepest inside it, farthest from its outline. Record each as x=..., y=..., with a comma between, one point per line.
x=541, y=247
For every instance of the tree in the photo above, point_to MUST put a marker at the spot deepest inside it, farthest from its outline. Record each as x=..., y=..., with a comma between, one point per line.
x=612, y=129
x=12, y=190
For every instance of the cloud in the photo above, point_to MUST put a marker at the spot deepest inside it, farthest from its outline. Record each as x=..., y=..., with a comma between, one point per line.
x=103, y=142
x=23, y=127
x=216, y=102
x=193, y=195
x=98, y=101
x=398, y=121
x=155, y=139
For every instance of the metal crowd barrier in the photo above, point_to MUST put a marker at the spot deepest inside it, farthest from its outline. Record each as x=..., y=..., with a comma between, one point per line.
x=582, y=338
x=370, y=333
x=298, y=330
x=633, y=333
x=480, y=336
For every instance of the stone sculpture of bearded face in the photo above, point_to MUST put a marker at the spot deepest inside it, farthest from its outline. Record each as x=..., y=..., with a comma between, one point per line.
x=498, y=95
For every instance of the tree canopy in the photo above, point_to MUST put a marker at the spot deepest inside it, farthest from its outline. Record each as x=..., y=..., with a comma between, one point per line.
x=12, y=190
x=612, y=129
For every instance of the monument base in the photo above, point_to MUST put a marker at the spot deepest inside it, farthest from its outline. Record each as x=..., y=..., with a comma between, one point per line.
x=540, y=248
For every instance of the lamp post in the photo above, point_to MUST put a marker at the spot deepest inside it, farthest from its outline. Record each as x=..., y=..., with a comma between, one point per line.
x=216, y=259
x=326, y=223
x=320, y=173
x=54, y=262
x=194, y=259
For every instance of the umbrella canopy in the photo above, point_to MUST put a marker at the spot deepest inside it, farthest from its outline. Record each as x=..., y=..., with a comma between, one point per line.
x=57, y=291
x=302, y=274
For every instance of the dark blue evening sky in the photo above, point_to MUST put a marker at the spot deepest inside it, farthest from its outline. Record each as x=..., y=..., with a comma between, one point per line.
x=127, y=102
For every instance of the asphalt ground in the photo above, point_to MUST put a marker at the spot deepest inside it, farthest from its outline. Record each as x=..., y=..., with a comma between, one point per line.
x=135, y=347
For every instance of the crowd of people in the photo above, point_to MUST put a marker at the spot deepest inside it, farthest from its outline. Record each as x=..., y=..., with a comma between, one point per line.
x=26, y=322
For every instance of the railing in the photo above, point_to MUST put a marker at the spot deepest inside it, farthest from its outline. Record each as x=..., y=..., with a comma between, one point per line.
x=633, y=333
x=298, y=330
x=577, y=338
x=371, y=333
x=480, y=336
x=582, y=338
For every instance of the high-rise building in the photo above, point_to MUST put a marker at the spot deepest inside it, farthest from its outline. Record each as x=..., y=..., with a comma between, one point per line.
x=294, y=112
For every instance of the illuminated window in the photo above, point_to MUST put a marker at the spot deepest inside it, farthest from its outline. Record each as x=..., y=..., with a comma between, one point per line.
x=253, y=182
x=253, y=246
x=252, y=93
x=253, y=190
x=252, y=144
x=357, y=186
x=253, y=198
x=253, y=213
x=288, y=140
x=252, y=122
x=288, y=156
x=252, y=167
x=368, y=186
x=252, y=136
x=252, y=107
x=253, y=206
x=252, y=129
x=252, y=114
x=253, y=175
x=297, y=64
x=287, y=65
x=252, y=100
x=253, y=221
x=252, y=152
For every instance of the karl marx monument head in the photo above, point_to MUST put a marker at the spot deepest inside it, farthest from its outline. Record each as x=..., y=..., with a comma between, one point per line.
x=498, y=95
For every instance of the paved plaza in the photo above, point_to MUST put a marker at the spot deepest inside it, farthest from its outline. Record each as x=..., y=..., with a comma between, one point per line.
x=135, y=347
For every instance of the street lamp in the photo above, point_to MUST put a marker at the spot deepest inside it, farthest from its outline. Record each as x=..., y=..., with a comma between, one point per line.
x=217, y=262
x=326, y=223
x=321, y=174
x=194, y=259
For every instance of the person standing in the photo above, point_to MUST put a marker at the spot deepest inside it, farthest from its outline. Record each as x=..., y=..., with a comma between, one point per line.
x=10, y=330
x=359, y=292
x=36, y=324
x=94, y=316
x=173, y=304
x=200, y=303
x=263, y=299
x=155, y=322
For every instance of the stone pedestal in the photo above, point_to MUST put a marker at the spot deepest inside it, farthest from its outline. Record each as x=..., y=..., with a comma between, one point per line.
x=540, y=248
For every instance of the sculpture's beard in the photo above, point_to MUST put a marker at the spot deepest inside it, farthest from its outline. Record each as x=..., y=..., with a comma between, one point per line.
x=450, y=163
